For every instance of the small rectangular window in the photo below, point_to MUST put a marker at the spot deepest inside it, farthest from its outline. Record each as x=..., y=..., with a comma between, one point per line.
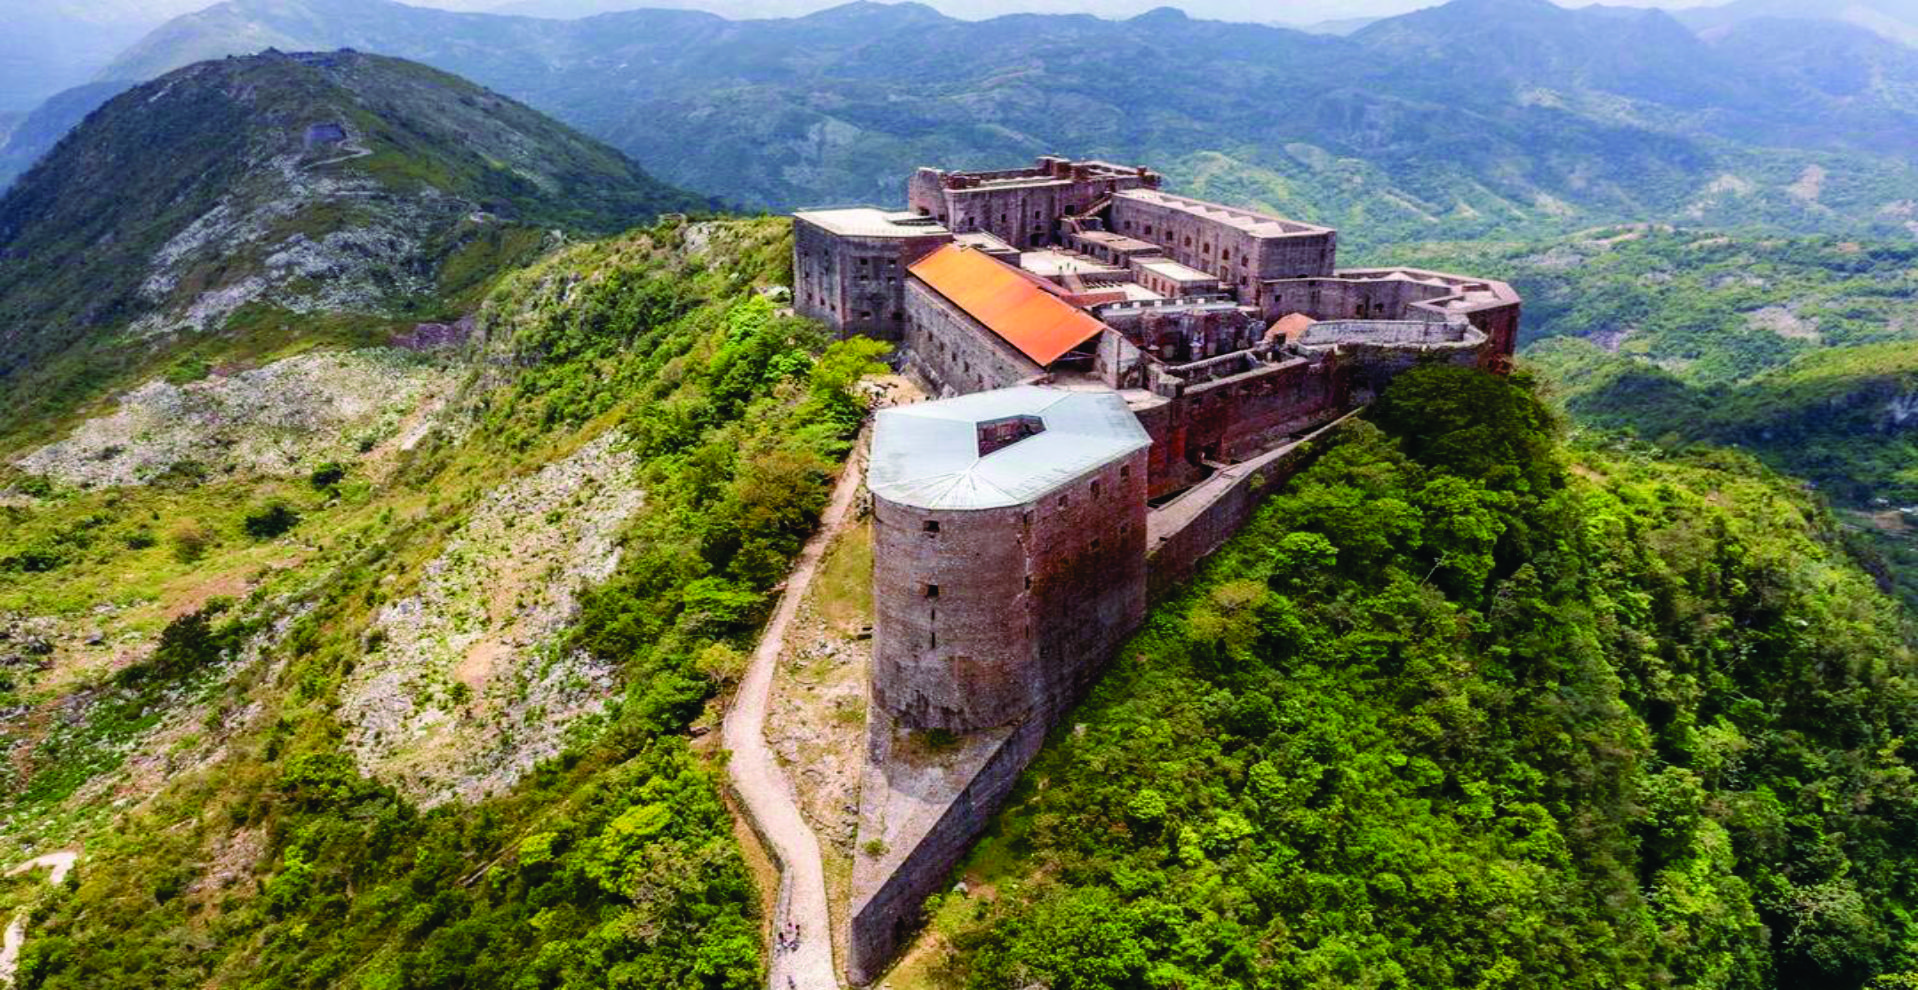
x=1028, y=582
x=932, y=591
x=930, y=526
x=1095, y=489
x=1064, y=500
x=1125, y=470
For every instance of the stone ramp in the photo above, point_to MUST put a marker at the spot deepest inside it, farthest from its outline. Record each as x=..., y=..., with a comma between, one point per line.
x=926, y=806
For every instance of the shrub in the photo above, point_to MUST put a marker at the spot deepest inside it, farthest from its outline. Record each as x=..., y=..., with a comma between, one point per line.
x=327, y=475
x=190, y=542
x=270, y=520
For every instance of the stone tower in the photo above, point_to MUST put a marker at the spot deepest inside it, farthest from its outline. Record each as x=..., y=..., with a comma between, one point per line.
x=1009, y=552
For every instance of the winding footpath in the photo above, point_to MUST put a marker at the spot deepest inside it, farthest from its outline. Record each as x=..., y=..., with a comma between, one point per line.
x=763, y=787
x=60, y=863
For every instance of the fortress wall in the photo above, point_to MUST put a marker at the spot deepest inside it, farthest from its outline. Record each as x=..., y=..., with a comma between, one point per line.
x=1022, y=216
x=952, y=352
x=1347, y=299
x=1204, y=243
x=1500, y=324
x=856, y=284
x=1369, y=367
x=1167, y=467
x=1086, y=559
x=885, y=919
x=1236, y=417
x=1041, y=594
x=1247, y=413
x=960, y=658
x=1189, y=529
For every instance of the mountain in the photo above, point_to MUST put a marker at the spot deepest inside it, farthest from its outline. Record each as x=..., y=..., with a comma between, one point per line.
x=1801, y=351
x=1403, y=131
x=32, y=135
x=404, y=676
x=253, y=191
x=1896, y=20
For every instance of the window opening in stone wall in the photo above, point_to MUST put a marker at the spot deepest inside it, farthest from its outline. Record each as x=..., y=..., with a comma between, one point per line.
x=930, y=526
x=1125, y=471
x=1065, y=500
x=932, y=591
x=1095, y=489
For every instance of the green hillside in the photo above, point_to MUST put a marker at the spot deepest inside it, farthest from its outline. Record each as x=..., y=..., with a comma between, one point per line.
x=1798, y=350
x=1453, y=713
x=222, y=205
x=347, y=799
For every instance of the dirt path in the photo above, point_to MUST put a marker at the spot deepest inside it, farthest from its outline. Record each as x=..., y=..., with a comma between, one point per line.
x=764, y=788
x=60, y=863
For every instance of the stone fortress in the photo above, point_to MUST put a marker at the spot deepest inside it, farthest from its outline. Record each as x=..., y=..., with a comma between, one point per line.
x=1122, y=370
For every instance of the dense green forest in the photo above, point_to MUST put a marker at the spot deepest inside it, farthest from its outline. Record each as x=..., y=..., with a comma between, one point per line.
x=1798, y=350
x=279, y=864
x=1466, y=707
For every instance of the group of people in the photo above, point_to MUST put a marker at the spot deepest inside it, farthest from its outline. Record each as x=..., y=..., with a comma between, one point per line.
x=787, y=938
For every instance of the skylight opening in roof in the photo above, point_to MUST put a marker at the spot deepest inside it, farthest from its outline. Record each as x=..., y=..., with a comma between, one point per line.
x=998, y=434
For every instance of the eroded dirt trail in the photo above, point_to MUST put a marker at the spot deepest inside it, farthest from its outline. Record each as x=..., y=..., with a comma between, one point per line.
x=765, y=790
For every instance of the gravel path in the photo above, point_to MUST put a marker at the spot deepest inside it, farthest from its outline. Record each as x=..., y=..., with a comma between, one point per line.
x=764, y=788
x=16, y=936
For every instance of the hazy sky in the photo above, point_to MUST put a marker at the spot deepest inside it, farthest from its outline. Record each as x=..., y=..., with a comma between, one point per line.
x=1264, y=10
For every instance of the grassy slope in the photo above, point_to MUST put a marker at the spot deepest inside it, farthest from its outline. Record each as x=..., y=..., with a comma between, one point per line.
x=273, y=863
x=1450, y=717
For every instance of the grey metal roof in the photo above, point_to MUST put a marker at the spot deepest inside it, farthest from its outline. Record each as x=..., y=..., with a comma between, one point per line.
x=870, y=221
x=927, y=455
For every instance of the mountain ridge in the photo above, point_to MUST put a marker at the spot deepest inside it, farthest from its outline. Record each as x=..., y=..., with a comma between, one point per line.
x=326, y=184
x=1397, y=132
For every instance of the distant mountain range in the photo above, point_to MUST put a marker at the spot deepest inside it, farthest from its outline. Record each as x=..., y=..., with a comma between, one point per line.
x=278, y=189
x=1894, y=19
x=1481, y=115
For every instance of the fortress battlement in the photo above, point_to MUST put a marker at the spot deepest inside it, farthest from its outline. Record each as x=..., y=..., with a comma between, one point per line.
x=1121, y=371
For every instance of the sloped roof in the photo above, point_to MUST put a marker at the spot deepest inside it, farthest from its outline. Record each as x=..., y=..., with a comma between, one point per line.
x=1022, y=311
x=926, y=455
x=1291, y=326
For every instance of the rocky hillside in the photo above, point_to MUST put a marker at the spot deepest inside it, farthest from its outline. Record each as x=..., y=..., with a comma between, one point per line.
x=378, y=666
x=279, y=197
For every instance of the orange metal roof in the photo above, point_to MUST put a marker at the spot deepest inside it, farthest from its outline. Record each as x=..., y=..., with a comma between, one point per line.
x=1291, y=326
x=1030, y=317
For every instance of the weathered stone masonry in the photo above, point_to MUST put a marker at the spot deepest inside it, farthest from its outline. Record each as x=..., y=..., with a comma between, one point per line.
x=1104, y=346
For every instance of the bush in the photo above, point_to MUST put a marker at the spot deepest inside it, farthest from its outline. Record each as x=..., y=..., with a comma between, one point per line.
x=327, y=475
x=190, y=542
x=270, y=520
